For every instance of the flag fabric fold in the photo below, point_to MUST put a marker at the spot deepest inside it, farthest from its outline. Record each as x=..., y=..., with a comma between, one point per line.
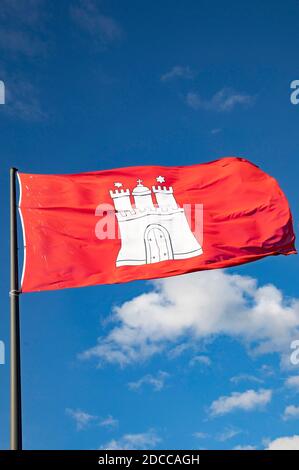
x=148, y=222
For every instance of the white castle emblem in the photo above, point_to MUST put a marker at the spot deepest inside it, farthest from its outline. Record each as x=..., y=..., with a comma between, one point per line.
x=152, y=233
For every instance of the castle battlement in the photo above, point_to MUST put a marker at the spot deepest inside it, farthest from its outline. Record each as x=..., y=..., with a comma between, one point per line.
x=119, y=193
x=163, y=189
x=143, y=198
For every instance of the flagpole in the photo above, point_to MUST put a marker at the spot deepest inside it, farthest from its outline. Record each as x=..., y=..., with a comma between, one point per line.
x=15, y=360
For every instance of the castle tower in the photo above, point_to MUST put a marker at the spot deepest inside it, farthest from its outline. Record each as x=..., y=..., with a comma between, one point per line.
x=165, y=198
x=121, y=199
x=142, y=197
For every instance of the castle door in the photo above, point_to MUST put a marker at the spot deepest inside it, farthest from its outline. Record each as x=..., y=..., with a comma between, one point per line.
x=157, y=244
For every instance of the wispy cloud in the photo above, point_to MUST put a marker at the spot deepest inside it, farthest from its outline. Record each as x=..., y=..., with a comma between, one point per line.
x=22, y=33
x=146, y=440
x=215, y=131
x=25, y=11
x=21, y=42
x=178, y=350
x=22, y=23
x=22, y=99
x=266, y=370
x=293, y=382
x=284, y=443
x=245, y=378
x=224, y=100
x=244, y=447
x=108, y=422
x=200, y=359
x=155, y=381
x=103, y=28
x=291, y=412
x=201, y=435
x=178, y=71
x=227, y=434
x=81, y=418
x=247, y=401
x=258, y=316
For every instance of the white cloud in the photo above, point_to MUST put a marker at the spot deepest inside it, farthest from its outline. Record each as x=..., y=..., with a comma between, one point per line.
x=247, y=401
x=23, y=11
x=227, y=434
x=102, y=28
x=245, y=447
x=178, y=350
x=266, y=370
x=108, y=422
x=146, y=440
x=224, y=100
x=186, y=308
x=22, y=98
x=22, y=28
x=156, y=381
x=177, y=71
x=23, y=102
x=217, y=130
x=201, y=435
x=293, y=382
x=81, y=418
x=291, y=412
x=200, y=359
x=245, y=378
x=284, y=443
x=20, y=42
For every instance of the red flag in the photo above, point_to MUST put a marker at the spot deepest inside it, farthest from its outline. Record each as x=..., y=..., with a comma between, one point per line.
x=148, y=222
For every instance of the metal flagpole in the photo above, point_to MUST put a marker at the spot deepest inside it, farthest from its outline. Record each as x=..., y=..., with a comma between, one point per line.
x=15, y=360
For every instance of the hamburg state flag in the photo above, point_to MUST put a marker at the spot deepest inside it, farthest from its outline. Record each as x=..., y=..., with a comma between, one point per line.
x=148, y=222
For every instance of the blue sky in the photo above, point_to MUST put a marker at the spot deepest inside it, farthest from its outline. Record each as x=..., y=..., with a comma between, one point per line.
x=94, y=85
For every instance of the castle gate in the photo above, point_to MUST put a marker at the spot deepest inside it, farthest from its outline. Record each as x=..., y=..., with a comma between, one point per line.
x=157, y=244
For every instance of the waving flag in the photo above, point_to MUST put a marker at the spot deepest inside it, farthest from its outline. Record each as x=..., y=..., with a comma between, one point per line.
x=148, y=222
